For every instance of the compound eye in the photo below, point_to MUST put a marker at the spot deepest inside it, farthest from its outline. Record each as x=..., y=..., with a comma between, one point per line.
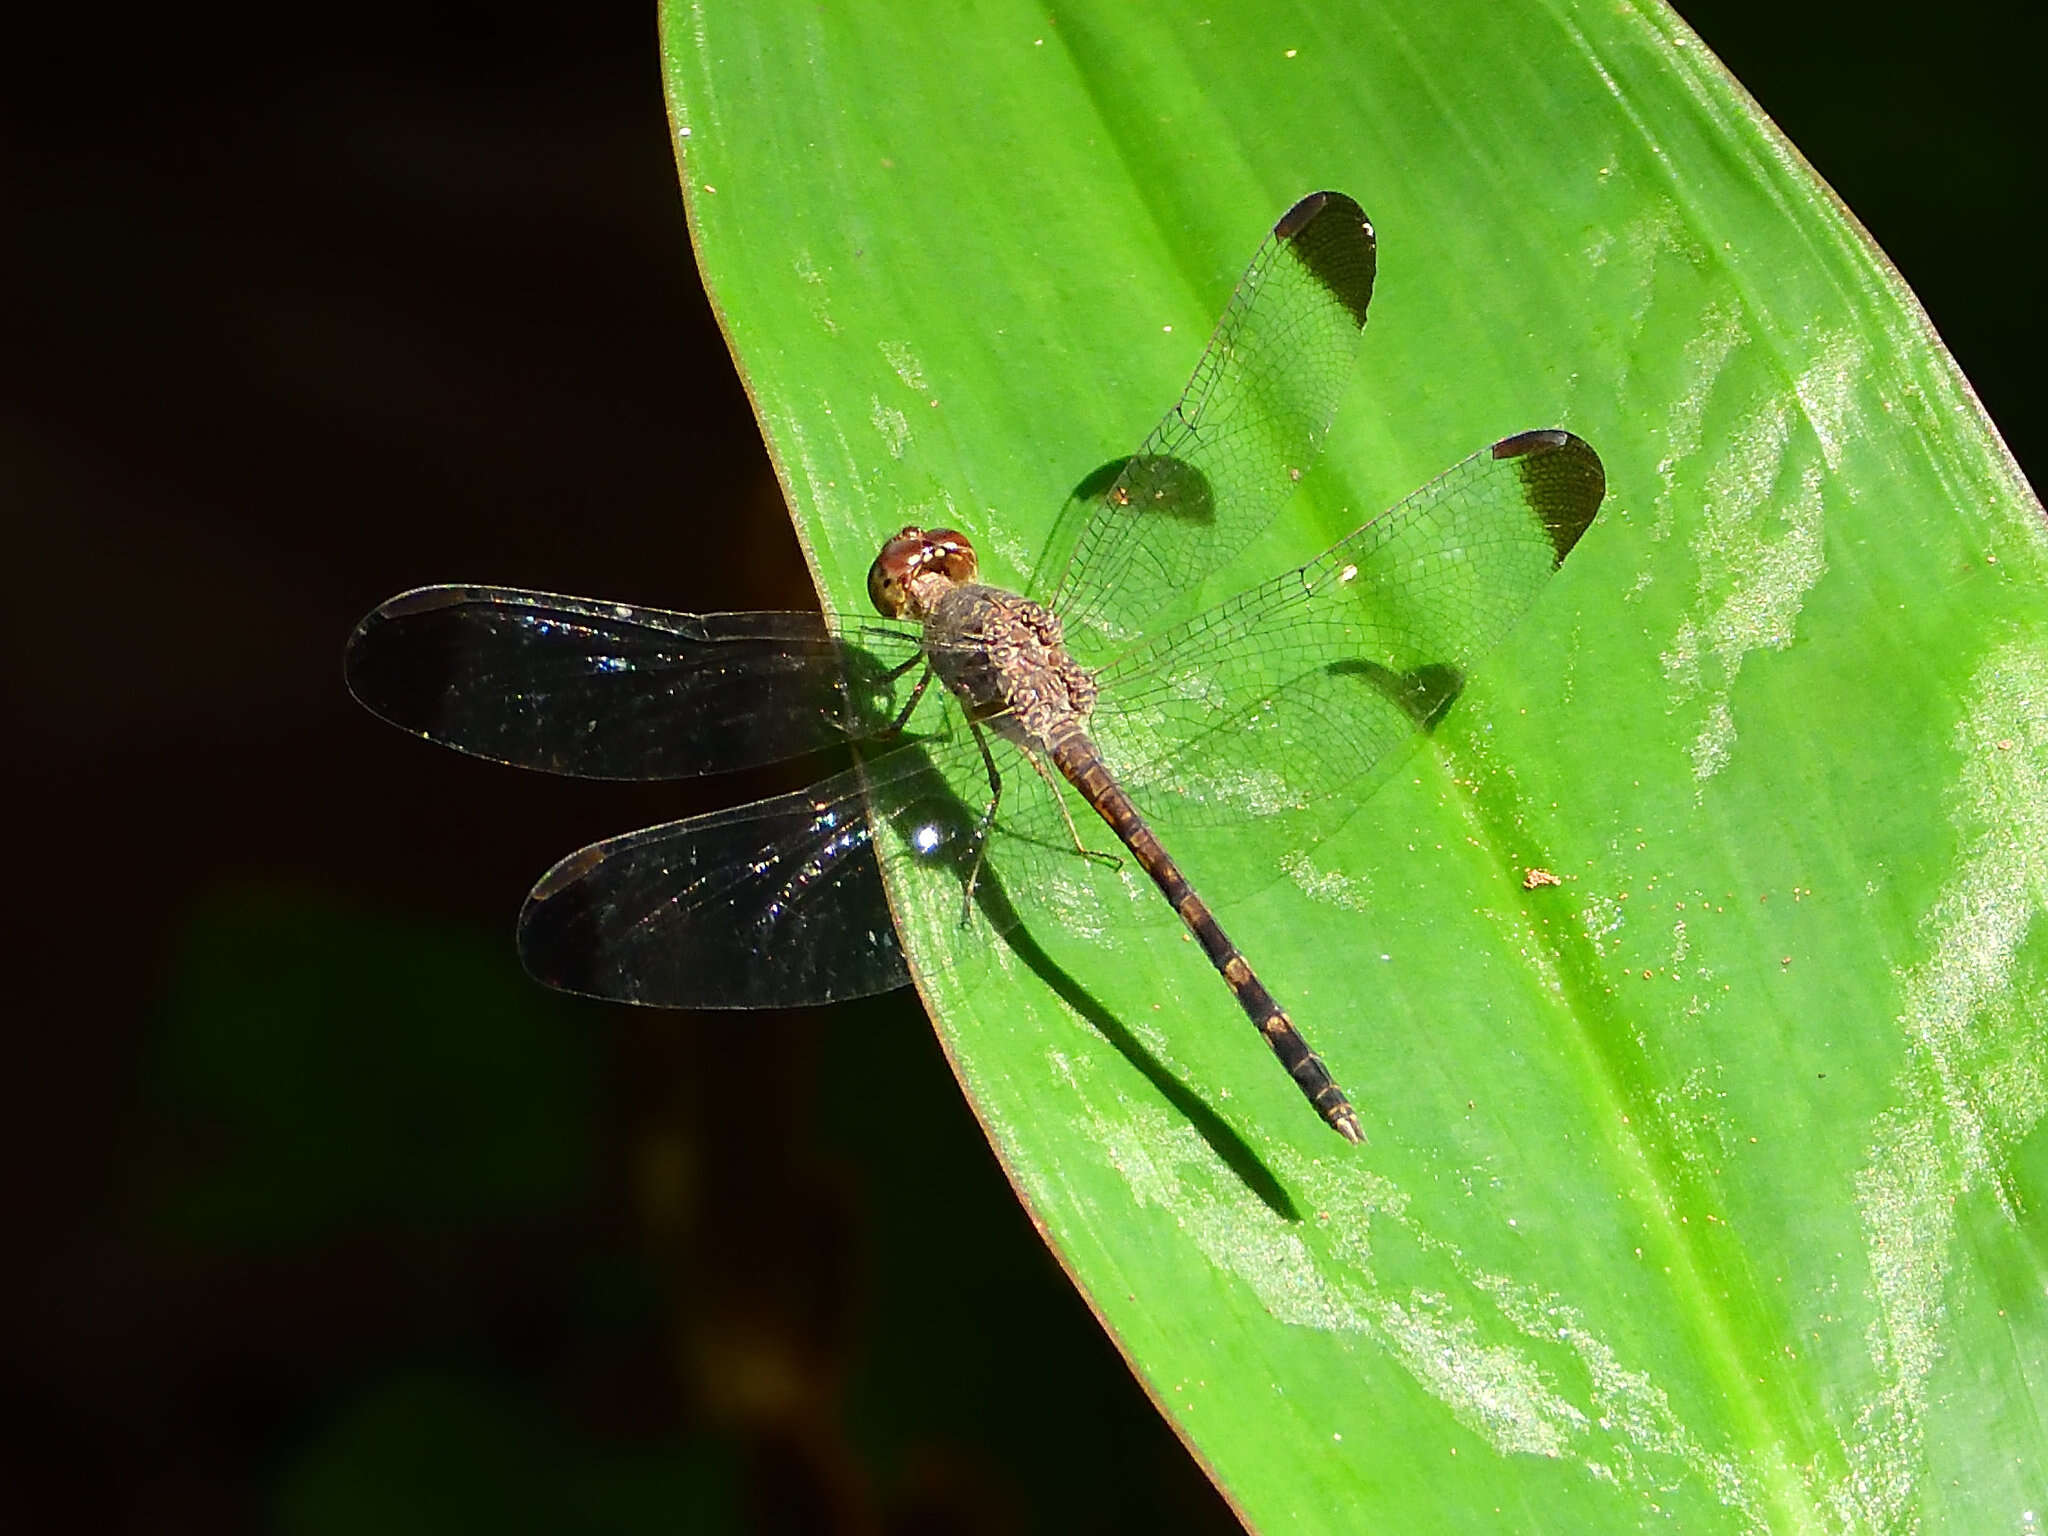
x=889, y=576
x=952, y=555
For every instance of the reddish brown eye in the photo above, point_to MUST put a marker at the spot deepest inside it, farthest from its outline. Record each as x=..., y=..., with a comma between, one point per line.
x=915, y=551
x=902, y=555
x=951, y=554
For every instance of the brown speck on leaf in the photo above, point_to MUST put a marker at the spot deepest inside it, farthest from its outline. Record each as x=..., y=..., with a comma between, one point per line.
x=1533, y=877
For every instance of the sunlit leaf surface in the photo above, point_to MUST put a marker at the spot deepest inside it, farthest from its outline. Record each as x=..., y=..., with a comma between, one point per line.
x=1702, y=1185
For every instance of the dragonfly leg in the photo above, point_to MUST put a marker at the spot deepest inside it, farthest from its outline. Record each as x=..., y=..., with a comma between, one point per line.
x=982, y=826
x=1108, y=860
x=895, y=727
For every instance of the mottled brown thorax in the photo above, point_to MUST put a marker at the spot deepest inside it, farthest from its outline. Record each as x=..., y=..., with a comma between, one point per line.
x=1005, y=659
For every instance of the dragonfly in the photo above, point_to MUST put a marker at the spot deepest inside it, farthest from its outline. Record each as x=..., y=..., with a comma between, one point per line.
x=1272, y=713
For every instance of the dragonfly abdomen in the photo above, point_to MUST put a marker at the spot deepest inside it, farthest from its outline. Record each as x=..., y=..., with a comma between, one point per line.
x=1081, y=763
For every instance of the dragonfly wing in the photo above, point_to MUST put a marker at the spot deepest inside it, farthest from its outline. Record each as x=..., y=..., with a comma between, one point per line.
x=600, y=690
x=777, y=904
x=1251, y=421
x=1301, y=688
x=781, y=903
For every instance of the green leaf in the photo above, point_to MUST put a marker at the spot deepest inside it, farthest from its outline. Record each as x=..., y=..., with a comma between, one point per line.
x=1700, y=1188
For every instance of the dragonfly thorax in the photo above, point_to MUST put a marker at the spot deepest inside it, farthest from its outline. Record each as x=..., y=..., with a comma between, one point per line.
x=1005, y=659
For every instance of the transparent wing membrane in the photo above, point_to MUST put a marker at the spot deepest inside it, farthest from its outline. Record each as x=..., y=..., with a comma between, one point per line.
x=1244, y=432
x=600, y=690
x=1296, y=690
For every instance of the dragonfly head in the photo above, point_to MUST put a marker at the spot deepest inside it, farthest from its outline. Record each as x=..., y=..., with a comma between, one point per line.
x=917, y=565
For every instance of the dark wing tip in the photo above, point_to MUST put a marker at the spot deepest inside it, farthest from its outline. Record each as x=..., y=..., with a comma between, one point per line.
x=557, y=928
x=388, y=668
x=1298, y=218
x=1331, y=235
x=1564, y=478
x=1529, y=444
x=567, y=872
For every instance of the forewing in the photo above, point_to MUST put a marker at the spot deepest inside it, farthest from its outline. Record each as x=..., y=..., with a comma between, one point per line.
x=600, y=690
x=1251, y=421
x=1296, y=690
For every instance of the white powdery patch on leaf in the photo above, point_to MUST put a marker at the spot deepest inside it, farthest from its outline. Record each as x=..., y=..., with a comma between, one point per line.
x=1513, y=1365
x=1974, y=1084
x=1330, y=887
x=1707, y=351
x=1758, y=557
x=892, y=425
x=904, y=364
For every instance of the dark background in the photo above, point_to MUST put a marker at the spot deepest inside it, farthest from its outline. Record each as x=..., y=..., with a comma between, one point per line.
x=325, y=1219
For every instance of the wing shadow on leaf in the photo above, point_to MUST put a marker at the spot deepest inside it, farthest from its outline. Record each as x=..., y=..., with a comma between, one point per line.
x=1425, y=694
